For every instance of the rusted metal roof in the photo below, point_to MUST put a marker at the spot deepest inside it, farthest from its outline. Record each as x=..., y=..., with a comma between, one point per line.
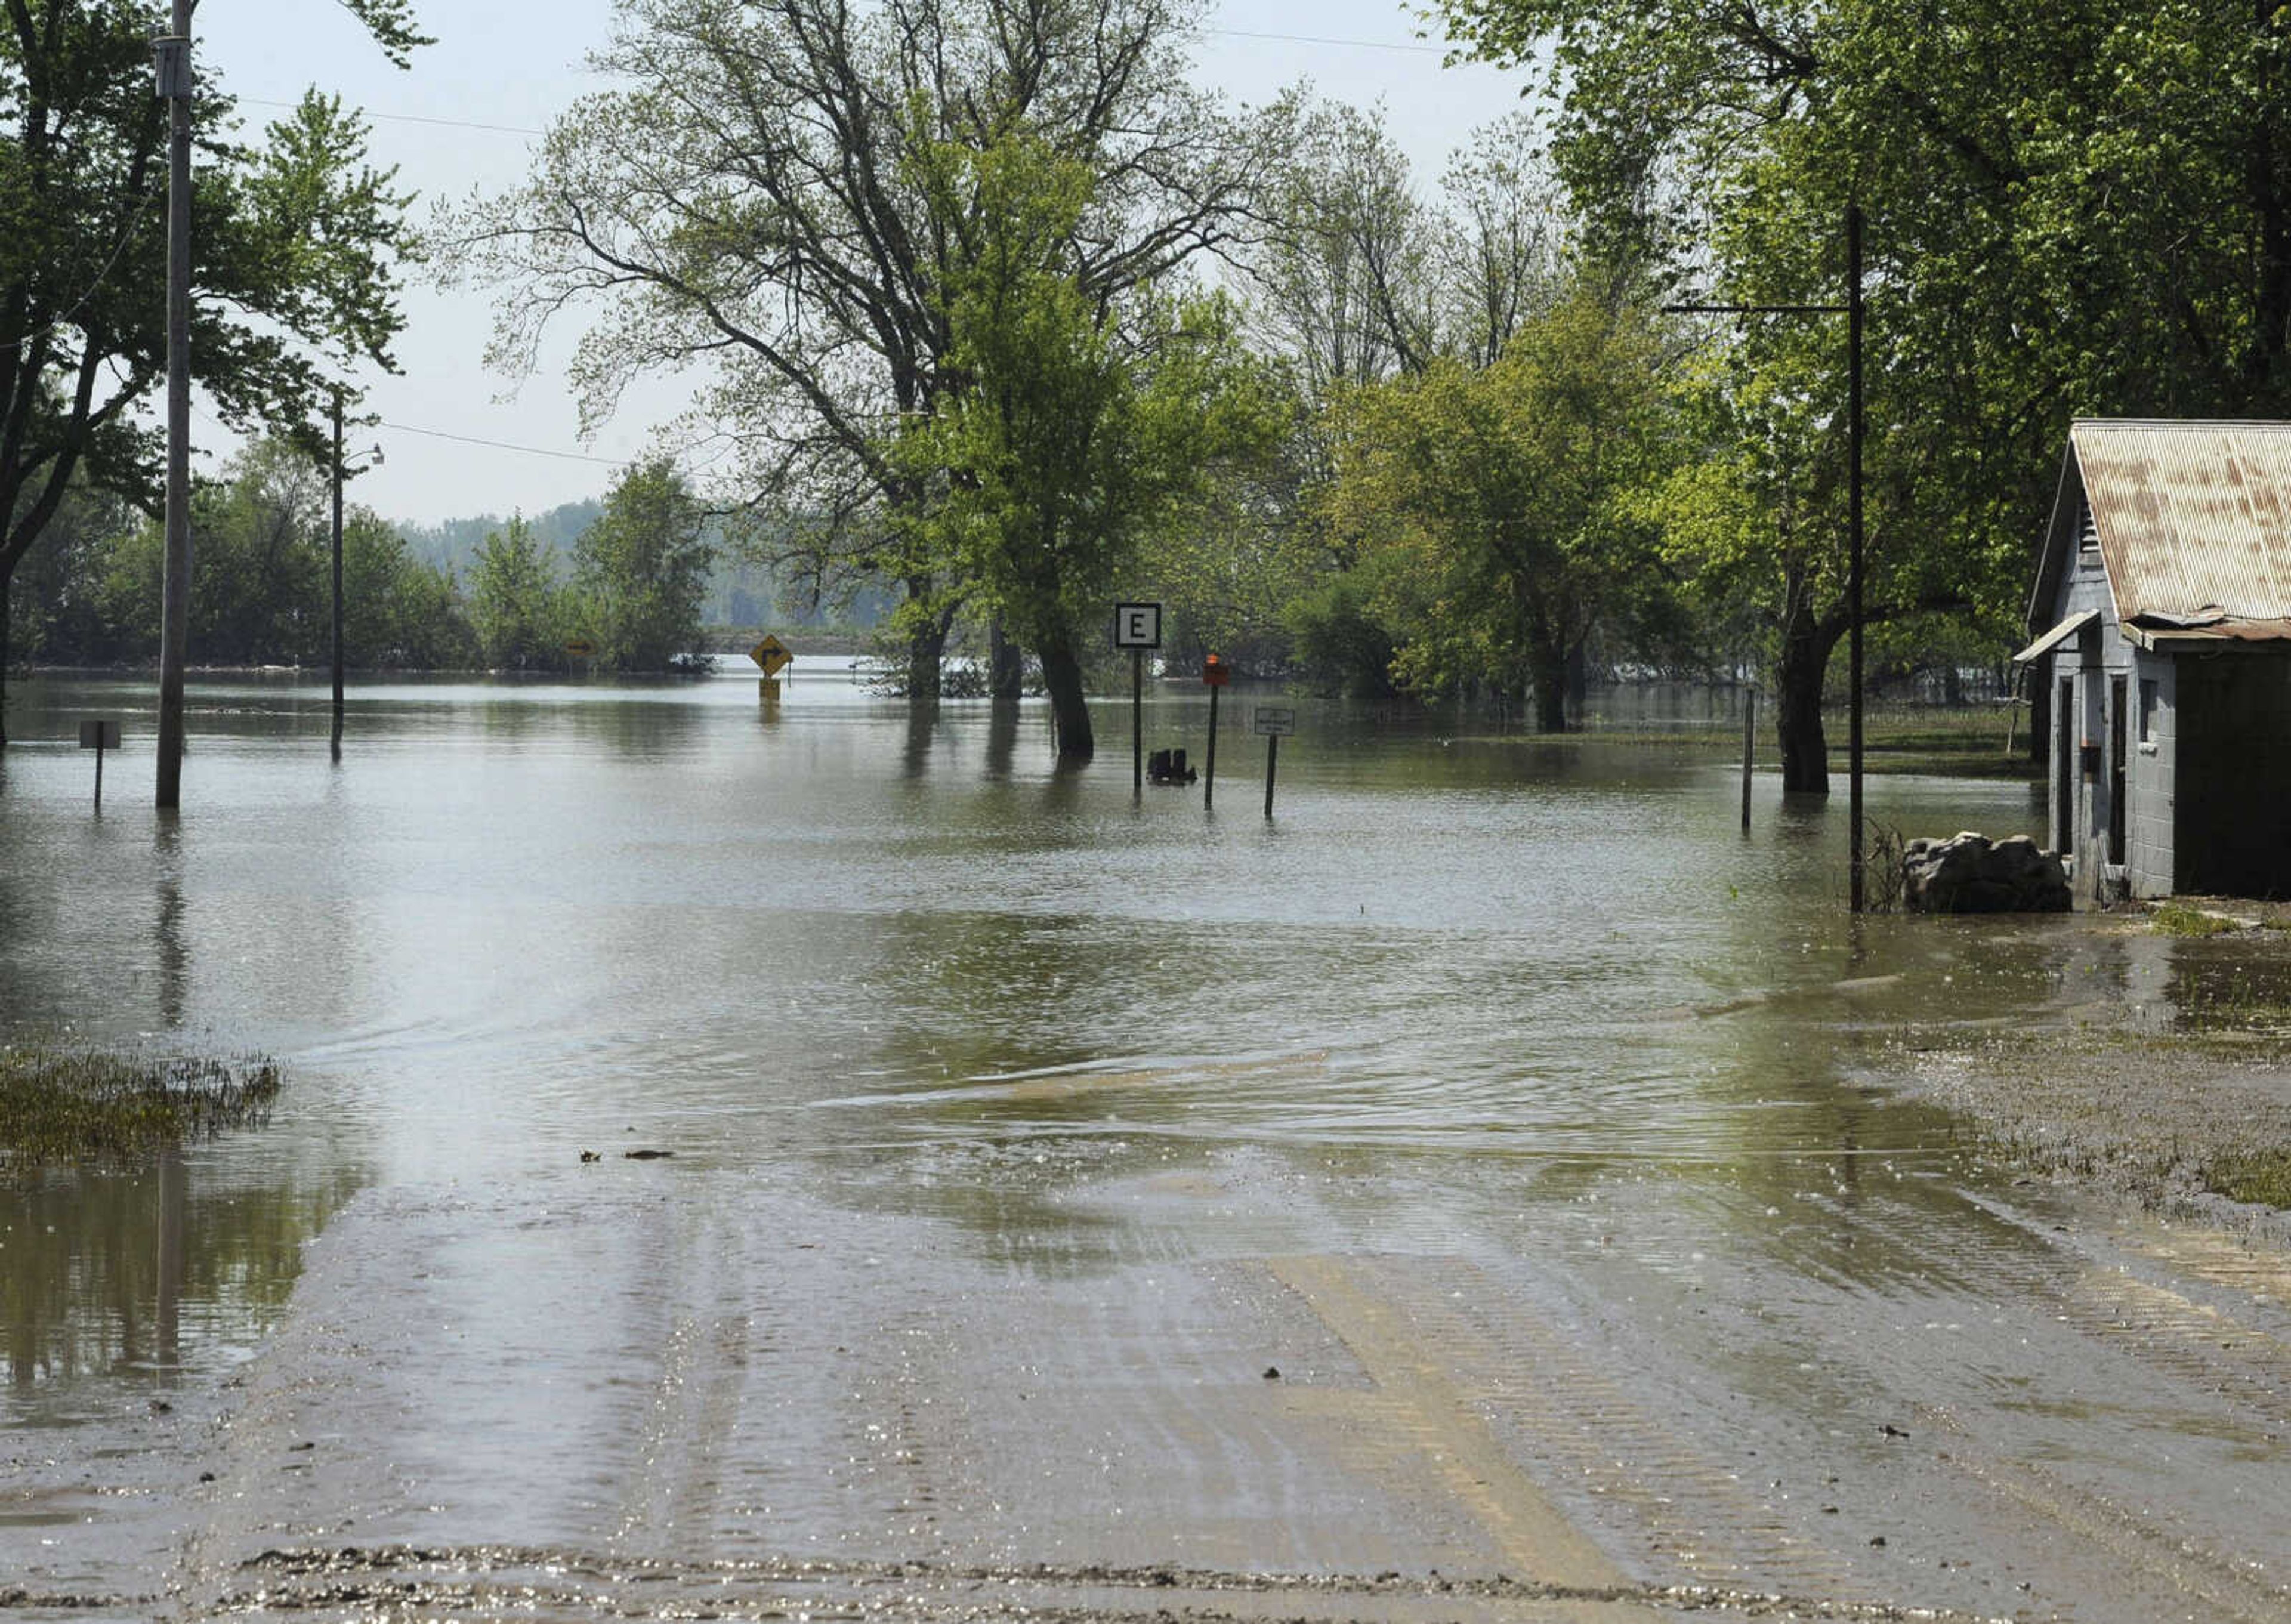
x=2194, y=522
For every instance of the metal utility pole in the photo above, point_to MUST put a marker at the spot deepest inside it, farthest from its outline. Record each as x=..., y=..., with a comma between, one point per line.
x=336, y=743
x=1852, y=310
x=174, y=66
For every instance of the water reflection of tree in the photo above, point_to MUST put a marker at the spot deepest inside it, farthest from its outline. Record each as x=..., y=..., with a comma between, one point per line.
x=100, y=1267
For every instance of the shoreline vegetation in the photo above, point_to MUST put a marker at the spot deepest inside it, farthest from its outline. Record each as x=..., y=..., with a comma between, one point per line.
x=65, y=1105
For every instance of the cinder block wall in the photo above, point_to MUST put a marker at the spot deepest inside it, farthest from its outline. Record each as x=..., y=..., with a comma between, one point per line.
x=2152, y=768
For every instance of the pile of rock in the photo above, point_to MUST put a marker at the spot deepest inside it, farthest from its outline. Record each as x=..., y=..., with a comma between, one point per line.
x=1970, y=873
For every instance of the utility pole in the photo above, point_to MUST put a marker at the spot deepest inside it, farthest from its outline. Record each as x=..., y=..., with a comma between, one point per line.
x=174, y=66
x=1852, y=310
x=1853, y=529
x=336, y=743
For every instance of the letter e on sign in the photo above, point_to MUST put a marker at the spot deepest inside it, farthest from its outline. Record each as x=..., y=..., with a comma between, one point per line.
x=1137, y=625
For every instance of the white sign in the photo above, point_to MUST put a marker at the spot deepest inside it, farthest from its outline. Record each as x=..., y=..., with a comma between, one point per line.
x=1276, y=722
x=1137, y=625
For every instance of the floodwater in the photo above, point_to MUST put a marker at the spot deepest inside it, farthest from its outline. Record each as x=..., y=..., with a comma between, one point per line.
x=1466, y=1193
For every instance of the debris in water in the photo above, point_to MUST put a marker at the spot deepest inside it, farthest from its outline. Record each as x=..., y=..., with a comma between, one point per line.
x=646, y=1156
x=1892, y=1431
x=1272, y=1372
x=591, y=1155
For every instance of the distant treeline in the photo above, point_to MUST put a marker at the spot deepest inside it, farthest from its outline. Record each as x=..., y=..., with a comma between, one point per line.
x=638, y=575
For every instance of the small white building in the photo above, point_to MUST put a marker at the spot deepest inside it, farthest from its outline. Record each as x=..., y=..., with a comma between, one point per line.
x=2165, y=589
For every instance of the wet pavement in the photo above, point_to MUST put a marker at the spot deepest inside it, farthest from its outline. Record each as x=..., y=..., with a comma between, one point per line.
x=1475, y=1195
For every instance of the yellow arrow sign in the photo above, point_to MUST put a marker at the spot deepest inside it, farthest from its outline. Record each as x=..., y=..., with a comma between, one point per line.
x=773, y=656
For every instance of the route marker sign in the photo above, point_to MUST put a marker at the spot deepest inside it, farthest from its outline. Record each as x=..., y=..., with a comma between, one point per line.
x=1137, y=625
x=772, y=655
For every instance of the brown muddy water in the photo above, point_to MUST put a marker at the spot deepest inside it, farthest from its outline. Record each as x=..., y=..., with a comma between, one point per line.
x=1466, y=1196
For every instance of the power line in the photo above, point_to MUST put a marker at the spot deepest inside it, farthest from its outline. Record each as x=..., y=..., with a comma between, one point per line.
x=537, y=451
x=1286, y=39
x=1320, y=39
x=447, y=124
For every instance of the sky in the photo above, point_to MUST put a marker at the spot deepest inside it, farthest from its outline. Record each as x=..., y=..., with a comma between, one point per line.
x=464, y=117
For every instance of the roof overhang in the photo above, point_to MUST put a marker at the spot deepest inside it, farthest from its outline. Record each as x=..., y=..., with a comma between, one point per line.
x=2058, y=635
x=2158, y=632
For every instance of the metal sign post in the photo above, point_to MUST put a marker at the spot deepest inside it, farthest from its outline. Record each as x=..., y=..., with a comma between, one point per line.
x=1275, y=723
x=99, y=735
x=1750, y=749
x=1215, y=674
x=1138, y=627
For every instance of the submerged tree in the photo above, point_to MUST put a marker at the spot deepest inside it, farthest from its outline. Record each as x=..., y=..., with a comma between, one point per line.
x=516, y=604
x=292, y=258
x=2072, y=210
x=1508, y=502
x=745, y=210
x=640, y=571
x=1069, y=423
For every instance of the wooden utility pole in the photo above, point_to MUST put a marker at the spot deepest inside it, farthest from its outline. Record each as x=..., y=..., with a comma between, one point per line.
x=173, y=64
x=337, y=739
x=1853, y=526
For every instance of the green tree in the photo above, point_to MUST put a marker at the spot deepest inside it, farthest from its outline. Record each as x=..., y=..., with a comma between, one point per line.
x=291, y=257
x=1509, y=500
x=2072, y=210
x=516, y=606
x=1072, y=422
x=398, y=610
x=640, y=572
x=742, y=211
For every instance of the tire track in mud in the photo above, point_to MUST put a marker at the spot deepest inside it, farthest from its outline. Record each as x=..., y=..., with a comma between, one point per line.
x=2082, y=1287
x=2229, y=1594
x=1691, y=1516
x=1430, y=1415
x=2010, y=1259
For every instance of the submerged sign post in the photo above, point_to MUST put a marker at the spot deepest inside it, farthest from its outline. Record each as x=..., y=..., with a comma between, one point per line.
x=99, y=735
x=1274, y=723
x=1215, y=674
x=1138, y=627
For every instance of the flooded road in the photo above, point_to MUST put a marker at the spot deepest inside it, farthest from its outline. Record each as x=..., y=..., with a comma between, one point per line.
x=1471, y=1194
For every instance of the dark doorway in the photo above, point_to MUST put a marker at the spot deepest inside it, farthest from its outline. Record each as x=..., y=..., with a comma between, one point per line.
x=2116, y=688
x=2231, y=817
x=2064, y=768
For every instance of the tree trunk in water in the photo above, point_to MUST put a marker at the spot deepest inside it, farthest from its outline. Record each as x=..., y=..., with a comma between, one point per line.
x=1550, y=683
x=1806, y=644
x=1069, y=711
x=1005, y=674
x=1579, y=683
x=925, y=645
x=3, y=662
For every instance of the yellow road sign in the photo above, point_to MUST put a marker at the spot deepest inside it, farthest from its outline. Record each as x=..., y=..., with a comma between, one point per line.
x=773, y=656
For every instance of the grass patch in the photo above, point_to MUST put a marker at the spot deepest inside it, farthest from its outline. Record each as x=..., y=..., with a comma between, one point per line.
x=2177, y=919
x=62, y=1106
x=2260, y=1178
